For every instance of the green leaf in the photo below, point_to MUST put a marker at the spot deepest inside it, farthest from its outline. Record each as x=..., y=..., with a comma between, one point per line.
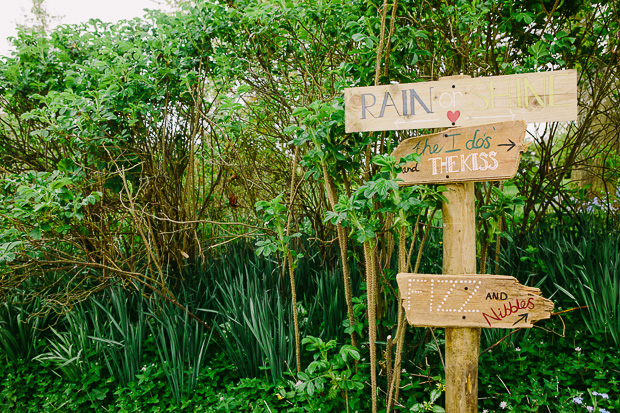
x=506, y=235
x=300, y=111
x=349, y=351
x=384, y=160
x=365, y=234
x=35, y=233
x=291, y=128
x=243, y=89
x=335, y=217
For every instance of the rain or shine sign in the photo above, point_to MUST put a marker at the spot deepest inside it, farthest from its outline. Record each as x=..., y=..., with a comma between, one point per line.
x=531, y=97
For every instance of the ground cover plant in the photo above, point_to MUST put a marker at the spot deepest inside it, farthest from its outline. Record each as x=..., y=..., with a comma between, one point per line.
x=549, y=368
x=186, y=226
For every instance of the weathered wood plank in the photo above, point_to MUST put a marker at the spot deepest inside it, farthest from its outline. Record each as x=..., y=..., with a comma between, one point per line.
x=491, y=301
x=531, y=97
x=476, y=153
x=459, y=257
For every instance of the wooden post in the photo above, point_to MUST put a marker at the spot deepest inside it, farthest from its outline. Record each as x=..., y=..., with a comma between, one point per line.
x=459, y=257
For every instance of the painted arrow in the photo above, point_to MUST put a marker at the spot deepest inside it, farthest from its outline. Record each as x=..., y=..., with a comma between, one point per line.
x=522, y=317
x=511, y=144
x=400, y=121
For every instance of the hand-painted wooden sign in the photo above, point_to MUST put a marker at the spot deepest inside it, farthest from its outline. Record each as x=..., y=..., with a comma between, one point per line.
x=477, y=153
x=532, y=97
x=492, y=301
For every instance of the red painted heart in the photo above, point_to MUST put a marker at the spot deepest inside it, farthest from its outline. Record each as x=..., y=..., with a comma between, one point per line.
x=453, y=116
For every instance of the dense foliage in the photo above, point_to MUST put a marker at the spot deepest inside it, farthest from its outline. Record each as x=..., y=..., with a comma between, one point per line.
x=135, y=158
x=97, y=358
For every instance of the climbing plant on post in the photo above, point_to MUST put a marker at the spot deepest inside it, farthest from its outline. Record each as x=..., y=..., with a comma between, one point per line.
x=274, y=216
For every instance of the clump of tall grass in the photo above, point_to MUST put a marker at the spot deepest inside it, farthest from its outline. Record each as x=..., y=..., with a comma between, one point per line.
x=112, y=328
x=22, y=328
x=181, y=342
x=256, y=324
x=590, y=275
x=71, y=348
x=575, y=267
x=122, y=331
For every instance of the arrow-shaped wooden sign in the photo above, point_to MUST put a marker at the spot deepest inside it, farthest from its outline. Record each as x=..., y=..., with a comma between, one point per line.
x=492, y=301
x=477, y=153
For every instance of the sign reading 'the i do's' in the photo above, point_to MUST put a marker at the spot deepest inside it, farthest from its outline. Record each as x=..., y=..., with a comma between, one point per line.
x=475, y=153
x=531, y=97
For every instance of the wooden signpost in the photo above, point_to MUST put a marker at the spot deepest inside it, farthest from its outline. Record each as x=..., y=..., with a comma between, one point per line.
x=493, y=301
x=480, y=150
x=476, y=153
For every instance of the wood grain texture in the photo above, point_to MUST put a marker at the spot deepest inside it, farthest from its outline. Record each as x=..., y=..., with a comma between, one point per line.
x=490, y=301
x=459, y=229
x=462, y=348
x=531, y=97
x=459, y=257
x=476, y=153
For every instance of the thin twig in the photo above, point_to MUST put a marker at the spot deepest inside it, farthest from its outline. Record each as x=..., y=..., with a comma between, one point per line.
x=506, y=387
x=438, y=349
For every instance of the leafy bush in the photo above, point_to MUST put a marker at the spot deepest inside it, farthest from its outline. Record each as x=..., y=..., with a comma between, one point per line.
x=331, y=373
